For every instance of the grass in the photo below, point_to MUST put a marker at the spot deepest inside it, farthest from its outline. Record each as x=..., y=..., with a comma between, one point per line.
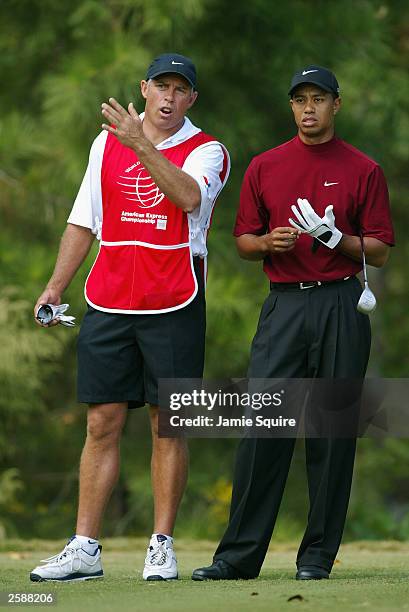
x=366, y=576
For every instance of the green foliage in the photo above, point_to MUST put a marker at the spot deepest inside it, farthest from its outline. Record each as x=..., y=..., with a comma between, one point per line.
x=10, y=485
x=58, y=62
x=26, y=360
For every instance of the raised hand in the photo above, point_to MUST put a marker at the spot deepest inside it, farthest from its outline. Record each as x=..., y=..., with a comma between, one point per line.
x=125, y=124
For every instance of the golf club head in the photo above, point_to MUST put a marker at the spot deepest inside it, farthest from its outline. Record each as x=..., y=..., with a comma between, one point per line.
x=367, y=301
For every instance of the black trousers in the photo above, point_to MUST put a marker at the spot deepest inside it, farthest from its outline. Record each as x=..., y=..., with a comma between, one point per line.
x=301, y=333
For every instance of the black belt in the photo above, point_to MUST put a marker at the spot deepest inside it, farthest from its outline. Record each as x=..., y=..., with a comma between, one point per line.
x=306, y=284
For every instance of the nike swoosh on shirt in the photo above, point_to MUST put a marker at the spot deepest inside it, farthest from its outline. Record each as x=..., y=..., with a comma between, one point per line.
x=326, y=184
x=304, y=72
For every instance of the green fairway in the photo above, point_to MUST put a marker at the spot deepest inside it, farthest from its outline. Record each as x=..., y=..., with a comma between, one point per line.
x=367, y=575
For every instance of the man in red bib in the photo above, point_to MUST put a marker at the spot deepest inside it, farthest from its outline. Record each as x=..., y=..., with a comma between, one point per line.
x=303, y=207
x=148, y=195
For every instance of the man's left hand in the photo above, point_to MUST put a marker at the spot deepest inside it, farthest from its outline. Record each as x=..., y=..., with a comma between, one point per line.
x=323, y=229
x=128, y=126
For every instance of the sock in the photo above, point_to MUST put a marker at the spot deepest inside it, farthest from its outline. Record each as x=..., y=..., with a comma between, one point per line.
x=87, y=544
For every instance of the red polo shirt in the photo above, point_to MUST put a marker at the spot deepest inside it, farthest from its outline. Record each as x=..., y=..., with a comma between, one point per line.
x=330, y=173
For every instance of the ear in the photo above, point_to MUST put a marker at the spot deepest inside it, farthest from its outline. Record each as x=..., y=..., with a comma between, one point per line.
x=193, y=98
x=144, y=89
x=291, y=101
x=337, y=105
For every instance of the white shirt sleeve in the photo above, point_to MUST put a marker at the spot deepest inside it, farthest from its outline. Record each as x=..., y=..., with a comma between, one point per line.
x=87, y=208
x=205, y=164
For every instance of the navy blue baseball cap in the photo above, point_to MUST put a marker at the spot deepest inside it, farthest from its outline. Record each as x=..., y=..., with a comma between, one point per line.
x=316, y=75
x=173, y=62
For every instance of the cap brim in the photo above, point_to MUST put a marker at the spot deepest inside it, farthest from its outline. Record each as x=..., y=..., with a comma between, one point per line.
x=311, y=82
x=176, y=71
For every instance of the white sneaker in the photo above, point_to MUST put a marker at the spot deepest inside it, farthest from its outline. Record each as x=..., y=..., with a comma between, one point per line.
x=160, y=562
x=73, y=563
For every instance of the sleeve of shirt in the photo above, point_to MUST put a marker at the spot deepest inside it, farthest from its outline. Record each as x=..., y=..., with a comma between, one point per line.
x=205, y=164
x=375, y=217
x=251, y=217
x=87, y=208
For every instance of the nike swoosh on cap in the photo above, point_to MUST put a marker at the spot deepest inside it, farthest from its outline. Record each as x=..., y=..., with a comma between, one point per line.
x=178, y=63
x=326, y=184
x=304, y=72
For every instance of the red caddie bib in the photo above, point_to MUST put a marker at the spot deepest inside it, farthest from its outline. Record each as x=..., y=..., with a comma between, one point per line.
x=145, y=263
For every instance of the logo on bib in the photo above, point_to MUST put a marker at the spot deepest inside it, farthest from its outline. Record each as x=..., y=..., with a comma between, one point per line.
x=140, y=187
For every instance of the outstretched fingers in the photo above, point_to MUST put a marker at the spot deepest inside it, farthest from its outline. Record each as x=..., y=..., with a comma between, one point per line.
x=118, y=108
x=113, y=112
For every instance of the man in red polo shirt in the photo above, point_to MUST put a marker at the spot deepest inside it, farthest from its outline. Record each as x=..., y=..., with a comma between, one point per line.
x=303, y=207
x=148, y=195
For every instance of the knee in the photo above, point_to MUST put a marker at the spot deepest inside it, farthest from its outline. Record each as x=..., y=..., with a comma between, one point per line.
x=103, y=427
x=163, y=443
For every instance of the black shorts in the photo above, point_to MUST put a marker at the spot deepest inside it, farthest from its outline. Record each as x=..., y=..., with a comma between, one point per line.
x=122, y=356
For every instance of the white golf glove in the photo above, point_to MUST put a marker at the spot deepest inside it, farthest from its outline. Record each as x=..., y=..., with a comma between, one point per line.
x=323, y=229
x=48, y=312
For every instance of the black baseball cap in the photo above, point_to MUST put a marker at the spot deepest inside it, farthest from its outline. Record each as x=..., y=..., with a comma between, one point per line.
x=316, y=75
x=173, y=62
